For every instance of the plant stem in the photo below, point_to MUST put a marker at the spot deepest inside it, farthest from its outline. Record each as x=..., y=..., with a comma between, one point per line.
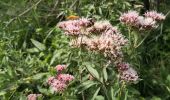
x=80, y=71
x=137, y=45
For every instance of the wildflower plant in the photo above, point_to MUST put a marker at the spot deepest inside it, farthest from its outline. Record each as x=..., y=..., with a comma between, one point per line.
x=100, y=38
x=111, y=53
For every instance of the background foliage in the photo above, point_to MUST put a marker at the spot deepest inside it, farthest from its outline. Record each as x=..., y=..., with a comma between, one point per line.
x=31, y=45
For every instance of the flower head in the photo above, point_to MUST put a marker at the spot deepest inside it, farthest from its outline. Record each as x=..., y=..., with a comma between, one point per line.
x=60, y=67
x=60, y=82
x=50, y=80
x=129, y=75
x=65, y=78
x=147, y=23
x=74, y=27
x=155, y=15
x=33, y=96
x=123, y=66
x=129, y=18
x=58, y=86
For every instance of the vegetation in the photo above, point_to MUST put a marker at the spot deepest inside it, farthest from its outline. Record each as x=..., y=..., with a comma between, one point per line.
x=31, y=46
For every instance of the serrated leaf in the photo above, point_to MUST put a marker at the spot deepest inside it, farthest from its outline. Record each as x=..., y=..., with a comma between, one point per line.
x=39, y=45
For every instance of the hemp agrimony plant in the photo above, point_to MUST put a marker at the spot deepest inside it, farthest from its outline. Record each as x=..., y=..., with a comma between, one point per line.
x=106, y=43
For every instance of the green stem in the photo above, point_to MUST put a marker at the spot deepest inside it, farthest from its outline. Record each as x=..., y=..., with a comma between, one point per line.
x=80, y=71
x=129, y=32
x=136, y=46
x=105, y=89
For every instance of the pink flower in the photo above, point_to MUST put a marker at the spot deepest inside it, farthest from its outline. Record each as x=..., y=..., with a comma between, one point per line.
x=92, y=43
x=129, y=75
x=85, y=22
x=61, y=81
x=101, y=26
x=60, y=67
x=155, y=15
x=74, y=27
x=58, y=86
x=147, y=23
x=50, y=80
x=110, y=31
x=33, y=96
x=65, y=78
x=129, y=18
x=123, y=66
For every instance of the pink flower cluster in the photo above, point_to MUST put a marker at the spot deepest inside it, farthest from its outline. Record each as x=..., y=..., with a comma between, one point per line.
x=60, y=68
x=106, y=39
x=130, y=18
x=127, y=73
x=148, y=22
x=75, y=27
x=60, y=82
x=155, y=16
x=109, y=44
x=33, y=96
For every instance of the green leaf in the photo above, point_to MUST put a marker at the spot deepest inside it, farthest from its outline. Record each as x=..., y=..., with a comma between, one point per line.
x=95, y=94
x=38, y=44
x=85, y=85
x=99, y=97
x=39, y=76
x=43, y=90
x=32, y=50
x=105, y=74
x=2, y=93
x=168, y=78
x=92, y=70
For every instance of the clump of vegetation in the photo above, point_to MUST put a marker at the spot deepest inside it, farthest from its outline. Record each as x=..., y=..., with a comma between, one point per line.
x=104, y=50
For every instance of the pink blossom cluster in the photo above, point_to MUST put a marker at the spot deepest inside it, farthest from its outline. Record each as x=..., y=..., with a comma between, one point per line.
x=75, y=27
x=106, y=39
x=109, y=44
x=130, y=18
x=60, y=68
x=127, y=73
x=60, y=82
x=155, y=15
x=146, y=22
x=33, y=96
